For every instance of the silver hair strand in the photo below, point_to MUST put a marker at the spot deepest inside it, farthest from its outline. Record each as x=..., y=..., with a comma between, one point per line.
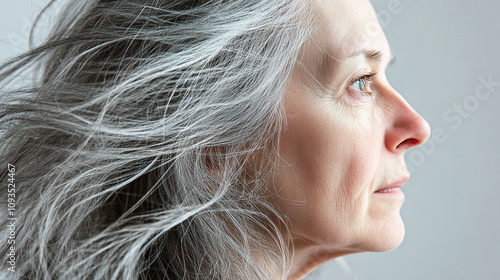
x=133, y=141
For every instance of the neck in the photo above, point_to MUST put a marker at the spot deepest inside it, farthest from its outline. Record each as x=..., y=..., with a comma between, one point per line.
x=307, y=258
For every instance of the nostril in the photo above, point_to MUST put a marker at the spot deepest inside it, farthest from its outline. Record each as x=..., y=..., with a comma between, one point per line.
x=408, y=143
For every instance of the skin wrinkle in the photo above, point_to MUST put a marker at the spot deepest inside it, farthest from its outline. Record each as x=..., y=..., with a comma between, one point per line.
x=341, y=145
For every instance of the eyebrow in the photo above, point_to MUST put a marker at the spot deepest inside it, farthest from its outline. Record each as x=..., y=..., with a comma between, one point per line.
x=372, y=55
x=329, y=63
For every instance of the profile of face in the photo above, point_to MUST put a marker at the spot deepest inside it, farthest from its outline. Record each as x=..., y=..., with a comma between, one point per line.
x=346, y=134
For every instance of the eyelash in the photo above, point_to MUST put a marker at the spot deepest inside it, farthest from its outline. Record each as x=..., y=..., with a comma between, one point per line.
x=367, y=78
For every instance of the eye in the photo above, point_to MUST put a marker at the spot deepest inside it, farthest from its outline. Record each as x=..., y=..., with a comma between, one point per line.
x=361, y=85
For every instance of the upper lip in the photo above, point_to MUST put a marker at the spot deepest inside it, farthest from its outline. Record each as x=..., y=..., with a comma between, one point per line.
x=396, y=184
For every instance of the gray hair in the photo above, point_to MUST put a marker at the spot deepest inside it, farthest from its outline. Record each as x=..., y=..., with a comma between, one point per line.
x=132, y=144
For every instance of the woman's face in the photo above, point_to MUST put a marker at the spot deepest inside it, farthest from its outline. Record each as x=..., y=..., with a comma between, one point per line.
x=346, y=134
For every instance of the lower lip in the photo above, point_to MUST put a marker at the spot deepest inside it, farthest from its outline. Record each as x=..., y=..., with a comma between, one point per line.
x=391, y=193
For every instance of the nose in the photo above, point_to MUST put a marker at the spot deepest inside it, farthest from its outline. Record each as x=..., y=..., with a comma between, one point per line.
x=407, y=128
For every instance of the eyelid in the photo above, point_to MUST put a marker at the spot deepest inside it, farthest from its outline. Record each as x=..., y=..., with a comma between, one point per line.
x=370, y=76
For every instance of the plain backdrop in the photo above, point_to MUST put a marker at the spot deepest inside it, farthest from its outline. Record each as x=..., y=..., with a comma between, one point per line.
x=446, y=51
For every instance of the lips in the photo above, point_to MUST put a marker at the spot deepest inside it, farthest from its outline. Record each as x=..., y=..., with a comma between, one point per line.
x=392, y=186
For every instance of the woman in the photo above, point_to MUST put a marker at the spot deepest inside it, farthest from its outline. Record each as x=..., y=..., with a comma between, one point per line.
x=204, y=140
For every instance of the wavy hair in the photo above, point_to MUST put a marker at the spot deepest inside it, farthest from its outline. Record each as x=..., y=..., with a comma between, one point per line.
x=133, y=142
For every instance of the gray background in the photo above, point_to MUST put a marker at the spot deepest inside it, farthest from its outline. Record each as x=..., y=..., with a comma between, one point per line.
x=443, y=49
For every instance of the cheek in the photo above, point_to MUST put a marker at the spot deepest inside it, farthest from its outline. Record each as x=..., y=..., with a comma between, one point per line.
x=359, y=160
x=329, y=160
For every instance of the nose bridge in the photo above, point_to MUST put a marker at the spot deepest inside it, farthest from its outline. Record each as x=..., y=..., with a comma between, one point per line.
x=407, y=128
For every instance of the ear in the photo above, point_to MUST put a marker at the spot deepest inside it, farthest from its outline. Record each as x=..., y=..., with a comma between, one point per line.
x=214, y=158
x=221, y=158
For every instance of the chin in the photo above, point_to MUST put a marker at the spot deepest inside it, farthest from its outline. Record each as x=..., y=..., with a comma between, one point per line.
x=390, y=236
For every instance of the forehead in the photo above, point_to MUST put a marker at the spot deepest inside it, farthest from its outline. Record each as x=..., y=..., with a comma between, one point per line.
x=345, y=26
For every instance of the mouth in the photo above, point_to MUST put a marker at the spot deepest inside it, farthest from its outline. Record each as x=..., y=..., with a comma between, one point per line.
x=394, y=187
